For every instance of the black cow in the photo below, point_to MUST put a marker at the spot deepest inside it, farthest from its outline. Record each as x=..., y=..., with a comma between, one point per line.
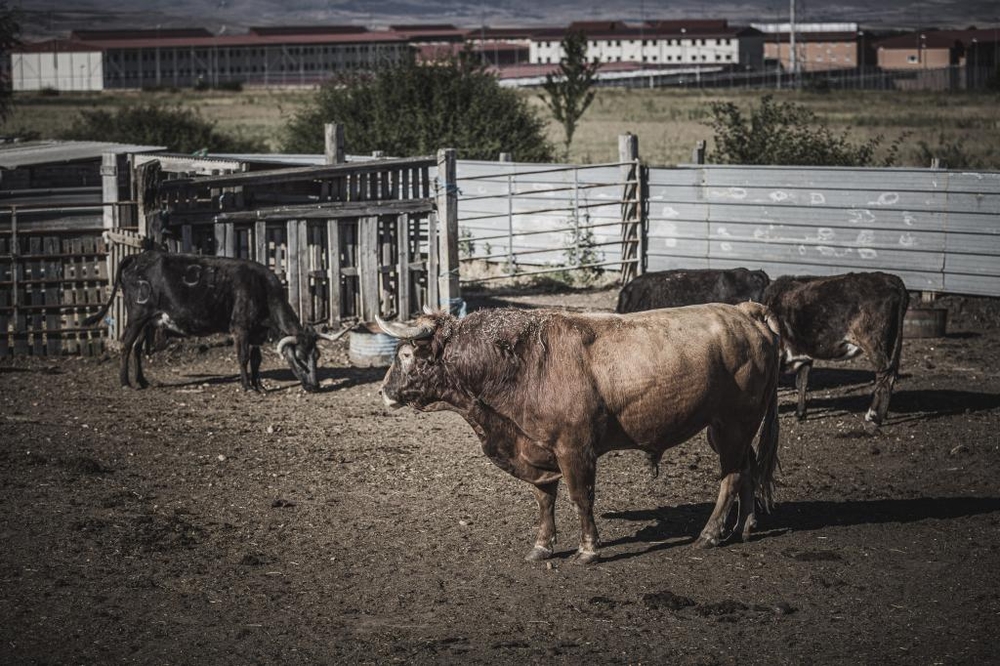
x=671, y=289
x=547, y=392
x=839, y=317
x=195, y=295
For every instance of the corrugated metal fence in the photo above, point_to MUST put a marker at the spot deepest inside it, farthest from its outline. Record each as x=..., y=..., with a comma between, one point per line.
x=938, y=230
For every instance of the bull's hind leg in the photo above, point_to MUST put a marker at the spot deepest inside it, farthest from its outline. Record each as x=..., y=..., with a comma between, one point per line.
x=243, y=357
x=737, y=473
x=140, y=378
x=545, y=495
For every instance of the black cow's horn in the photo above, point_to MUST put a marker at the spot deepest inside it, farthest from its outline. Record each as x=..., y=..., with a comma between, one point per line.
x=397, y=330
x=285, y=341
x=333, y=338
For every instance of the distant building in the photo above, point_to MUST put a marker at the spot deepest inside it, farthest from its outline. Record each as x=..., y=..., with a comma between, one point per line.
x=657, y=43
x=970, y=56
x=818, y=46
x=185, y=58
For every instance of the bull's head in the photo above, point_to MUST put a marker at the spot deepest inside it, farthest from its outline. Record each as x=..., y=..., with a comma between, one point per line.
x=302, y=354
x=416, y=377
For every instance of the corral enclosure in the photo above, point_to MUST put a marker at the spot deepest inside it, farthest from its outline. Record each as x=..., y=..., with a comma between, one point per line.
x=193, y=523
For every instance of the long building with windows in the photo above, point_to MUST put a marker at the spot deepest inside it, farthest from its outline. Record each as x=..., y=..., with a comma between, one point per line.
x=113, y=59
x=658, y=43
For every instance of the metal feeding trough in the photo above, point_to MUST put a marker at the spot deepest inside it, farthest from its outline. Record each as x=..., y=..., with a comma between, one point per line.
x=925, y=323
x=369, y=347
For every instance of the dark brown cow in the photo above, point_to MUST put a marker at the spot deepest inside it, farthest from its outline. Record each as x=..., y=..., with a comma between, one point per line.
x=839, y=317
x=675, y=288
x=548, y=392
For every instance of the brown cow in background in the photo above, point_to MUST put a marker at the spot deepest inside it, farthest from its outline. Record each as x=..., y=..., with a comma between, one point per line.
x=691, y=286
x=548, y=392
x=839, y=317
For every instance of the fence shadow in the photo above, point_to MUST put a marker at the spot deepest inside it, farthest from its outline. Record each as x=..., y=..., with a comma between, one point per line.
x=680, y=525
x=905, y=405
x=341, y=378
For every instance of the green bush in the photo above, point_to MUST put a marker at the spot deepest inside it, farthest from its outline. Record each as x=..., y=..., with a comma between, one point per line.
x=180, y=130
x=410, y=109
x=789, y=134
x=955, y=155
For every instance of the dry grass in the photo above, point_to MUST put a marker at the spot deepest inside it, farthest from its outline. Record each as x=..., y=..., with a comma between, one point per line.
x=668, y=122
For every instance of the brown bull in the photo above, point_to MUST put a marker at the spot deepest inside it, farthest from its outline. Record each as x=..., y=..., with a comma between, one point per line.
x=548, y=392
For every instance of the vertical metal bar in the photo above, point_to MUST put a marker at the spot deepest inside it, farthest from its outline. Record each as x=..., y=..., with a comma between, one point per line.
x=576, y=214
x=510, y=224
x=14, y=266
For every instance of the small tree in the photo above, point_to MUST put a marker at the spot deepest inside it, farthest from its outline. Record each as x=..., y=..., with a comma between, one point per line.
x=414, y=109
x=571, y=92
x=180, y=130
x=9, y=29
x=790, y=134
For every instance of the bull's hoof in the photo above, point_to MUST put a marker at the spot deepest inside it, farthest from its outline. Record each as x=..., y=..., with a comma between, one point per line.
x=703, y=542
x=800, y=417
x=586, y=557
x=872, y=417
x=141, y=384
x=538, y=554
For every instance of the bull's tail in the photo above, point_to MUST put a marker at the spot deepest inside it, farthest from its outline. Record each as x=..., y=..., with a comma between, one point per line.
x=767, y=450
x=897, y=345
x=99, y=315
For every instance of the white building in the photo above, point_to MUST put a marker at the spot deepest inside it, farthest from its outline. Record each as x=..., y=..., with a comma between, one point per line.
x=57, y=64
x=657, y=43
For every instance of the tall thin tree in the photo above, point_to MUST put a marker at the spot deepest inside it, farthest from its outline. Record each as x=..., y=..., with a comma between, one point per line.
x=570, y=91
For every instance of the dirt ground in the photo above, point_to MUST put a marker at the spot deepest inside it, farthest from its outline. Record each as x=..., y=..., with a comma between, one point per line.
x=193, y=523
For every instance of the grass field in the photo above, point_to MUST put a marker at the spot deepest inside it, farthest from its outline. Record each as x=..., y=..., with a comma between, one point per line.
x=961, y=128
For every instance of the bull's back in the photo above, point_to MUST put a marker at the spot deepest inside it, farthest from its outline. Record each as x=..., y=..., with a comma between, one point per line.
x=673, y=371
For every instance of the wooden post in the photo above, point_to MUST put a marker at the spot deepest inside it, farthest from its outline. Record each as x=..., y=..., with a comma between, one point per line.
x=633, y=220
x=449, y=291
x=403, y=267
x=368, y=267
x=506, y=157
x=333, y=134
x=292, y=264
x=333, y=269
x=260, y=241
x=109, y=189
x=698, y=154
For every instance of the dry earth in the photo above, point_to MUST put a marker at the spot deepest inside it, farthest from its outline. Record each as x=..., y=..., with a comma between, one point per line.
x=193, y=523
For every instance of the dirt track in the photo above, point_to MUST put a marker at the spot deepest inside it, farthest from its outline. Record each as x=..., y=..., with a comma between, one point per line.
x=192, y=523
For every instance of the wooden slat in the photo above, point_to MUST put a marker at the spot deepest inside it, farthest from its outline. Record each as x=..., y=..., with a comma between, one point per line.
x=292, y=270
x=403, y=266
x=333, y=270
x=368, y=265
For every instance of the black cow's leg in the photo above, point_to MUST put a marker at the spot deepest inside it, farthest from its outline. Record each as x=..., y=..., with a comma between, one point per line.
x=132, y=331
x=748, y=514
x=243, y=357
x=579, y=468
x=545, y=495
x=885, y=377
x=255, y=359
x=801, y=381
x=140, y=378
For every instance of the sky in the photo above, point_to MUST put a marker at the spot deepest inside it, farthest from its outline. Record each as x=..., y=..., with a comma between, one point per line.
x=49, y=18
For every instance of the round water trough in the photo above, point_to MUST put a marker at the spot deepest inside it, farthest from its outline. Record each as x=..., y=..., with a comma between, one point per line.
x=925, y=323
x=369, y=347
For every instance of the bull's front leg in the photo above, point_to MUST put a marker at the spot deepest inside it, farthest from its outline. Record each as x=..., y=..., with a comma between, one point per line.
x=801, y=383
x=243, y=357
x=545, y=495
x=579, y=468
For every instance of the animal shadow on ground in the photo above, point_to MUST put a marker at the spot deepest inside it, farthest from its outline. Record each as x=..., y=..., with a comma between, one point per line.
x=342, y=377
x=680, y=525
x=906, y=406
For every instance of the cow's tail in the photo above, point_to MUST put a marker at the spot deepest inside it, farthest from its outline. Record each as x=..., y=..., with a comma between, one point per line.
x=767, y=449
x=767, y=438
x=99, y=315
x=897, y=345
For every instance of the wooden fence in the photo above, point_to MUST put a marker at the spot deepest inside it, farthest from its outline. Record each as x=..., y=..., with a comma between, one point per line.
x=52, y=276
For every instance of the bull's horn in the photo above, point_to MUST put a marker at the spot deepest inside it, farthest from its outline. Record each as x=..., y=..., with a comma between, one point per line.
x=397, y=330
x=428, y=310
x=285, y=341
x=333, y=338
